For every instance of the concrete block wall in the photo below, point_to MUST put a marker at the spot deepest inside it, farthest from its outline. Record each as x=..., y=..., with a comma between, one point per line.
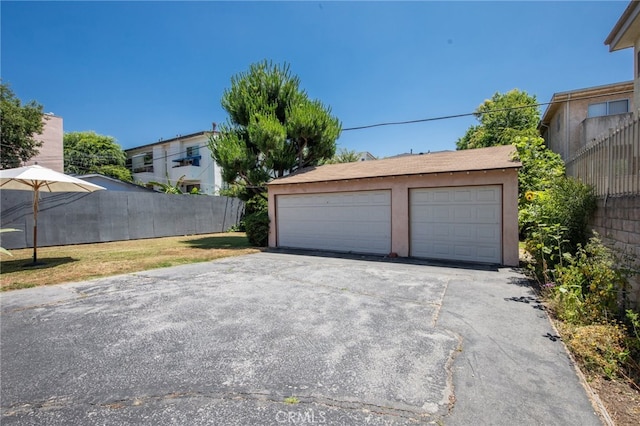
x=617, y=220
x=102, y=216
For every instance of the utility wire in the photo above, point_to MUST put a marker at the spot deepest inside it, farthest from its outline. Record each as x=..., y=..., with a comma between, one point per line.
x=468, y=114
x=397, y=123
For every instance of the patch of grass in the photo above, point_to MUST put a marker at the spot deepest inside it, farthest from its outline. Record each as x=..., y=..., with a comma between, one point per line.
x=86, y=261
x=291, y=400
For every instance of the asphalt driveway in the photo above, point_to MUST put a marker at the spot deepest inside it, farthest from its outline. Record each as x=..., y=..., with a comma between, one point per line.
x=276, y=338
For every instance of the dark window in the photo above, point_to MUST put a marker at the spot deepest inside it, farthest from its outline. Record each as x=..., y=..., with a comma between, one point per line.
x=142, y=163
x=193, y=187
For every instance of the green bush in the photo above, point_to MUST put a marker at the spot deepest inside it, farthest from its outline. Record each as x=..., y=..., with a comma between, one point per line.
x=540, y=167
x=587, y=287
x=257, y=227
x=256, y=204
x=554, y=223
x=586, y=296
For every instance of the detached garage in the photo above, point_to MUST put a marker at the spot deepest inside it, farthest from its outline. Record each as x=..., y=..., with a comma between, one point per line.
x=459, y=205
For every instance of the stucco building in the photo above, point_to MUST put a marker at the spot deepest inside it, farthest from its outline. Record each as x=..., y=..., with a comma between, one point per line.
x=51, y=154
x=576, y=118
x=171, y=159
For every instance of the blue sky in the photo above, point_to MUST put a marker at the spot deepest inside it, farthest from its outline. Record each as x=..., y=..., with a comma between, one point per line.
x=140, y=71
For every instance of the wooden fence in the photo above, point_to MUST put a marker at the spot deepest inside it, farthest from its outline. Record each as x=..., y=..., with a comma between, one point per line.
x=611, y=164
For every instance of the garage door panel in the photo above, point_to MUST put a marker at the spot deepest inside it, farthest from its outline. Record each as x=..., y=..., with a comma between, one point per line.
x=457, y=223
x=462, y=214
x=487, y=214
x=491, y=195
x=463, y=252
x=354, y=221
x=462, y=196
x=488, y=234
x=440, y=196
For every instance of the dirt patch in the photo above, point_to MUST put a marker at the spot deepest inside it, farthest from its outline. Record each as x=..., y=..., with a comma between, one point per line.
x=621, y=400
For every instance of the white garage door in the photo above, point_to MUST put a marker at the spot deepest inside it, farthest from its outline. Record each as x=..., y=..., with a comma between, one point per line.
x=358, y=222
x=457, y=223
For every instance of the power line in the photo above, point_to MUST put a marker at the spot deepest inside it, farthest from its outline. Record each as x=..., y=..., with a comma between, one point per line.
x=369, y=126
x=468, y=114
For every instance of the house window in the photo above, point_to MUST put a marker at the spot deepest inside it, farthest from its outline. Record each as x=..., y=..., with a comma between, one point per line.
x=142, y=163
x=193, y=188
x=193, y=151
x=608, y=108
x=638, y=63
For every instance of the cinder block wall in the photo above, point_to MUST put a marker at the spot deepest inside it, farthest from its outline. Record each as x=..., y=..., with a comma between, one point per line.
x=78, y=218
x=617, y=220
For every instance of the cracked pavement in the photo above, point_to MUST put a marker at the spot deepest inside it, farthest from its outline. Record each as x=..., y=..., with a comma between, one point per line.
x=353, y=340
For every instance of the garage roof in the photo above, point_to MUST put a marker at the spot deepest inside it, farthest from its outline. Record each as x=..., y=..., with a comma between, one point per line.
x=497, y=157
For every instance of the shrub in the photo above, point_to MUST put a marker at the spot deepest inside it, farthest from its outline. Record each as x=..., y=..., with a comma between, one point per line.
x=545, y=244
x=554, y=222
x=239, y=227
x=257, y=227
x=599, y=347
x=588, y=286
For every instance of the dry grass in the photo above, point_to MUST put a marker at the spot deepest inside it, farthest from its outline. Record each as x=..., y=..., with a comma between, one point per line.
x=81, y=262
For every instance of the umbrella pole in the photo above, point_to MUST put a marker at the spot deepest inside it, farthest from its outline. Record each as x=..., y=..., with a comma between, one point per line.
x=35, y=225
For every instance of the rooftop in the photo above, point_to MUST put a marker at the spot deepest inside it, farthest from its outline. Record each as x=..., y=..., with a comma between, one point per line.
x=493, y=158
x=177, y=138
x=627, y=30
x=593, y=92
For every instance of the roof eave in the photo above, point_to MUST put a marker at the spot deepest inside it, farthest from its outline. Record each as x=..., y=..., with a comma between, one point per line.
x=616, y=39
x=515, y=165
x=191, y=135
x=577, y=94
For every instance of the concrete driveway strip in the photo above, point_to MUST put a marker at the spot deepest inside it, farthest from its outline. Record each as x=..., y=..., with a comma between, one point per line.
x=344, y=341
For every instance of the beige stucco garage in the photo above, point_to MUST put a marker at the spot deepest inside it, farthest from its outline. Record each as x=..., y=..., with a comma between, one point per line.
x=454, y=205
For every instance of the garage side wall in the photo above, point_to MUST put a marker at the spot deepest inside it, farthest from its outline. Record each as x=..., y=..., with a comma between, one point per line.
x=400, y=187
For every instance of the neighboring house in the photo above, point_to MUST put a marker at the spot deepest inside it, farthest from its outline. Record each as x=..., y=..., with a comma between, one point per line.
x=460, y=205
x=365, y=156
x=51, y=154
x=626, y=34
x=171, y=159
x=578, y=117
x=407, y=154
x=113, y=184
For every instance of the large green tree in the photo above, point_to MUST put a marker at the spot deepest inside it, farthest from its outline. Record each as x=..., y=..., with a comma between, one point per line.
x=273, y=129
x=541, y=167
x=89, y=152
x=512, y=118
x=502, y=118
x=18, y=125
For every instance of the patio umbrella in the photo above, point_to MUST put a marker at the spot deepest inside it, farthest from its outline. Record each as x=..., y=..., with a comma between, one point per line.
x=40, y=179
